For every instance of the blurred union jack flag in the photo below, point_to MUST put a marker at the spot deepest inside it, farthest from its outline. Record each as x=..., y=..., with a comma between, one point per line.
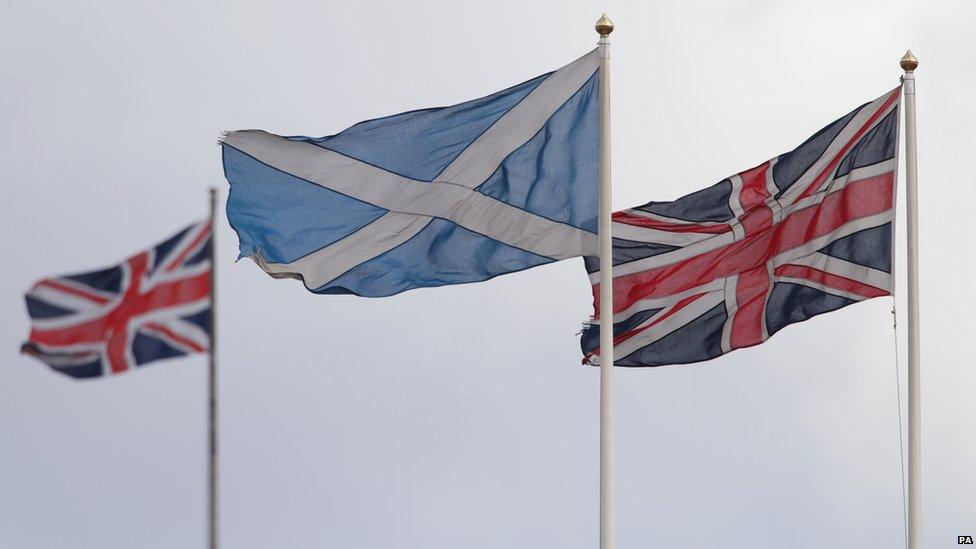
x=726, y=267
x=154, y=305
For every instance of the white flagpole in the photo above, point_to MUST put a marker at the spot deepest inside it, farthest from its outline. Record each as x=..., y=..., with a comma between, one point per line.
x=604, y=27
x=212, y=376
x=909, y=63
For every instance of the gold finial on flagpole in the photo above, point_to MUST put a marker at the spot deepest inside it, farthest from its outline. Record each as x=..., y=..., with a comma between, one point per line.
x=908, y=63
x=604, y=26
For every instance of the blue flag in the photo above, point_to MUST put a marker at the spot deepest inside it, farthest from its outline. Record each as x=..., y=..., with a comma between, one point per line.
x=426, y=198
x=152, y=306
x=728, y=266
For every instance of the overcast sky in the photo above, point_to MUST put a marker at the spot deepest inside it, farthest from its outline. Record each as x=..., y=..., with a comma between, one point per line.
x=461, y=416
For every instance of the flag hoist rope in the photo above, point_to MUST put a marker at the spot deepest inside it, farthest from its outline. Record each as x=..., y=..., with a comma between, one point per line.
x=604, y=27
x=909, y=64
x=212, y=377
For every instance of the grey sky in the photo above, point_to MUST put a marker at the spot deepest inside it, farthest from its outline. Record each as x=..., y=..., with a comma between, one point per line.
x=460, y=416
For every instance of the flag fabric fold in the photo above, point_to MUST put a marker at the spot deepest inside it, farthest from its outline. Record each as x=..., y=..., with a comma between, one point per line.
x=154, y=305
x=805, y=233
x=425, y=198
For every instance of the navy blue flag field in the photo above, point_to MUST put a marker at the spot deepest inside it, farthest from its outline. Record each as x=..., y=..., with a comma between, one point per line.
x=154, y=305
x=429, y=197
x=805, y=233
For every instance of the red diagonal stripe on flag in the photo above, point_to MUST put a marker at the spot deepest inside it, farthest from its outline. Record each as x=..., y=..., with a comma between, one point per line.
x=829, y=169
x=830, y=280
x=201, y=236
x=176, y=337
x=78, y=292
x=659, y=319
x=649, y=223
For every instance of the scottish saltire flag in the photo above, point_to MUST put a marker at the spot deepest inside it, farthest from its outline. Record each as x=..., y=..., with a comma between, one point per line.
x=429, y=197
x=154, y=305
x=726, y=267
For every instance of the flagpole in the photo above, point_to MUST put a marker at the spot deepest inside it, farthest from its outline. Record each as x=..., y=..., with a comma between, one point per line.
x=212, y=377
x=604, y=27
x=909, y=64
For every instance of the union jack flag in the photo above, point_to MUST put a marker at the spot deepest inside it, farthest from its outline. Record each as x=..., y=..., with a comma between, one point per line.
x=805, y=233
x=154, y=305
